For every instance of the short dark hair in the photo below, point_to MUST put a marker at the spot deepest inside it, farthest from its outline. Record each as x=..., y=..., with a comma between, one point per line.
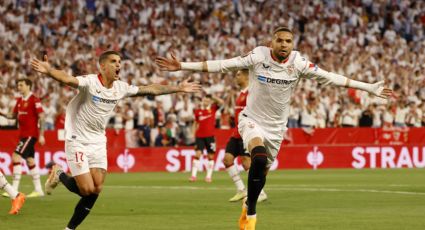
x=26, y=80
x=282, y=28
x=106, y=54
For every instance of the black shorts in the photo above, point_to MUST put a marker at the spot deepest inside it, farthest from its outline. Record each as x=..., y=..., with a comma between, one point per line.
x=207, y=143
x=235, y=147
x=25, y=147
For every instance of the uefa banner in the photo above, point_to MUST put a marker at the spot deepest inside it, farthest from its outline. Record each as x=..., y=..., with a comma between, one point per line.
x=326, y=148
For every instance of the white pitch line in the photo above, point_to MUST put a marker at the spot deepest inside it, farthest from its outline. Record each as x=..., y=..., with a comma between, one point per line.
x=273, y=188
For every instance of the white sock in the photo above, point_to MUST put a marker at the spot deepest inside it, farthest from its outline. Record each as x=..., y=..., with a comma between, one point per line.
x=36, y=179
x=262, y=192
x=195, y=165
x=7, y=187
x=17, y=172
x=210, y=168
x=234, y=174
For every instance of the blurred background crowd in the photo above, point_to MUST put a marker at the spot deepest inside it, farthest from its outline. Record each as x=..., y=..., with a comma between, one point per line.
x=361, y=39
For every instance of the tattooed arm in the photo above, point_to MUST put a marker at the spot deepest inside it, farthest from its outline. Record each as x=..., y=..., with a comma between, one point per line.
x=157, y=89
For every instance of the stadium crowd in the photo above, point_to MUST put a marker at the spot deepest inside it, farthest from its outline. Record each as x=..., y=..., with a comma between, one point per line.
x=363, y=39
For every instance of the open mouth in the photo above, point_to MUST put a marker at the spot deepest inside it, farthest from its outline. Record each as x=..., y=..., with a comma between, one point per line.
x=117, y=71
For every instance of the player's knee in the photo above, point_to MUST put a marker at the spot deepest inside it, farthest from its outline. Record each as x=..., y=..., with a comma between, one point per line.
x=246, y=164
x=228, y=160
x=16, y=158
x=98, y=189
x=259, y=157
x=87, y=190
x=30, y=162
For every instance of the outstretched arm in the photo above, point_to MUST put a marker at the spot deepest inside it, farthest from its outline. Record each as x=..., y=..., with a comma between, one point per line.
x=326, y=78
x=59, y=75
x=241, y=62
x=157, y=89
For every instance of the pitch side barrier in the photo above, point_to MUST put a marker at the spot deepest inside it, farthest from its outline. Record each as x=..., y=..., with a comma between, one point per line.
x=326, y=148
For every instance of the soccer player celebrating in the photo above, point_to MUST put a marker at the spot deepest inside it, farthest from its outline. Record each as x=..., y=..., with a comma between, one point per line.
x=18, y=199
x=85, y=122
x=204, y=134
x=273, y=74
x=30, y=117
x=235, y=147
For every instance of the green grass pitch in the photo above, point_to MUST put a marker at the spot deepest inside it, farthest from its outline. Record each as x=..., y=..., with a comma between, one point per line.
x=298, y=200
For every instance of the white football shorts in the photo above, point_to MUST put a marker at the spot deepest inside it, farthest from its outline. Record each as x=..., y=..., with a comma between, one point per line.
x=272, y=140
x=81, y=157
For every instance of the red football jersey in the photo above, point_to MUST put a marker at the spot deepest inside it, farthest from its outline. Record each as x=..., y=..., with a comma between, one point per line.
x=27, y=114
x=206, y=121
x=240, y=104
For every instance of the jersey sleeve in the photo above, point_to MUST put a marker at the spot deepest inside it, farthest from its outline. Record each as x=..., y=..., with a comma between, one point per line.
x=38, y=107
x=83, y=82
x=242, y=62
x=311, y=70
x=131, y=90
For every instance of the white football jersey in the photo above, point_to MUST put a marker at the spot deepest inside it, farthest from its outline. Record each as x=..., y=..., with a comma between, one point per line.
x=271, y=83
x=88, y=112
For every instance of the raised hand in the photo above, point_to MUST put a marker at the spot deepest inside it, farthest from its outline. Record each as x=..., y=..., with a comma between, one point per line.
x=168, y=64
x=190, y=87
x=41, y=66
x=379, y=90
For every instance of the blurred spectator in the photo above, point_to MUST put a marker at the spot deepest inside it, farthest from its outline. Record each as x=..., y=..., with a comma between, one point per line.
x=350, y=116
x=366, y=118
x=294, y=115
x=50, y=114
x=162, y=139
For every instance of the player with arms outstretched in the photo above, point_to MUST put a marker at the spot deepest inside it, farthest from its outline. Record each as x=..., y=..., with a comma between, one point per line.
x=273, y=75
x=85, y=122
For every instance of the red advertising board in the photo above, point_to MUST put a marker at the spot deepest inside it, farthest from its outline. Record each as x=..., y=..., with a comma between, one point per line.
x=326, y=148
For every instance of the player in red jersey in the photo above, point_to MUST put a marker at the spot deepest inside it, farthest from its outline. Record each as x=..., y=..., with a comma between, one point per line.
x=204, y=134
x=30, y=116
x=235, y=147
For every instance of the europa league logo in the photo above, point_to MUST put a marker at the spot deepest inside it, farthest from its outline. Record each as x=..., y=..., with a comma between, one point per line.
x=315, y=157
x=125, y=161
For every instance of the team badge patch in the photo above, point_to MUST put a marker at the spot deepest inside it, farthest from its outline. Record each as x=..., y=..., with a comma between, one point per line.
x=291, y=69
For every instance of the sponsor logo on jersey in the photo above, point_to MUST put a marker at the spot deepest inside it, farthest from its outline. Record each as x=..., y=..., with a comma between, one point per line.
x=201, y=118
x=263, y=79
x=97, y=99
x=290, y=69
